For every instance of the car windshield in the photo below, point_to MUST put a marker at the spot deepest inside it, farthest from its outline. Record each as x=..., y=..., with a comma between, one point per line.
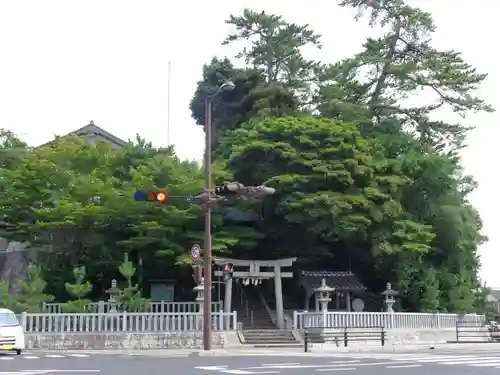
x=8, y=319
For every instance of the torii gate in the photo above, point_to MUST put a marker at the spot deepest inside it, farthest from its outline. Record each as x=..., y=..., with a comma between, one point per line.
x=254, y=272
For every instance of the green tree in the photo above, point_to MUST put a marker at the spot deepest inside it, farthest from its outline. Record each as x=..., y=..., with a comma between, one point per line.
x=130, y=298
x=33, y=296
x=6, y=300
x=276, y=49
x=252, y=97
x=78, y=290
x=461, y=296
x=335, y=198
x=384, y=77
x=11, y=149
x=431, y=293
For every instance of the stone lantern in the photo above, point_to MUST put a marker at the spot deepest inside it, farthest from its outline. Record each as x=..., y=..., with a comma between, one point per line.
x=200, y=295
x=389, y=298
x=113, y=293
x=323, y=293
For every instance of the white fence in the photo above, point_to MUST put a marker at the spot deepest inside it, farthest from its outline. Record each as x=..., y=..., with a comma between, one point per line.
x=331, y=319
x=124, y=322
x=154, y=307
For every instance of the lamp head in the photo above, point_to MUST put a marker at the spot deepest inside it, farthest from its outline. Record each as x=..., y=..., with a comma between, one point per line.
x=227, y=86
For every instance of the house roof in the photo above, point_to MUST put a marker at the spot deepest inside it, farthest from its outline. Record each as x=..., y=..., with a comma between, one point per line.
x=92, y=130
x=495, y=292
x=340, y=280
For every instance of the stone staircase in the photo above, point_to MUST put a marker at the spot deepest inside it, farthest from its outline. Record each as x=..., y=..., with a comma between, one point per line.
x=262, y=338
x=258, y=327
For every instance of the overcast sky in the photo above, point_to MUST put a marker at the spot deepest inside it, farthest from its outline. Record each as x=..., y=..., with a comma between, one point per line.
x=68, y=62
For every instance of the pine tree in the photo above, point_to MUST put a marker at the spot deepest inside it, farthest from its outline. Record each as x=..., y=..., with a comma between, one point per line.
x=32, y=291
x=78, y=290
x=130, y=298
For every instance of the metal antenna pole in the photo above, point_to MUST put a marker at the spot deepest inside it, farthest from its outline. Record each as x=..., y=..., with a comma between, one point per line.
x=207, y=253
x=168, y=104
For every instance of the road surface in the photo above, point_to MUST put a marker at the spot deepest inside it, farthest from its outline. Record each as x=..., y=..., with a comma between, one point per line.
x=359, y=364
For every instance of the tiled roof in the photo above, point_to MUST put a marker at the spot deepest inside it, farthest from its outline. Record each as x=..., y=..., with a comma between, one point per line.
x=340, y=280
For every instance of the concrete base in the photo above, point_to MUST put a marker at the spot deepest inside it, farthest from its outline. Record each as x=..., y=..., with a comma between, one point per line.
x=133, y=341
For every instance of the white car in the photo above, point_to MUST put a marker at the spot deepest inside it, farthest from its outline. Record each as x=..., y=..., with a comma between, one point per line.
x=11, y=332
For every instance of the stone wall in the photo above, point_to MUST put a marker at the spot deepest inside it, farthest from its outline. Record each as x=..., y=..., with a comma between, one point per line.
x=13, y=263
x=133, y=341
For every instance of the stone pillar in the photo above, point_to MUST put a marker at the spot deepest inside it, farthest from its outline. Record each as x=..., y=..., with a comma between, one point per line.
x=348, y=301
x=279, y=297
x=228, y=292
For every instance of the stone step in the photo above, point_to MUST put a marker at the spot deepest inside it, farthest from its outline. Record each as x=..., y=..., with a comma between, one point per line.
x=274, y=342
x=269, y=337
x=279, y=345
x=268, y=333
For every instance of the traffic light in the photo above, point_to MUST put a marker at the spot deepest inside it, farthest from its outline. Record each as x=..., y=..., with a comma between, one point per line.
x=151, y=196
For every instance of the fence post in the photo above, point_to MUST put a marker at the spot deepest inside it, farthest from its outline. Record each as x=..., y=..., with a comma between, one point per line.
x=235, y=320
x=222, y=320
x=24, y=320
x=456, y=329
x=382, y=336
x=306, y=342
x=345, y=336
x=124, y=321
x=295, y=319
x=101, y=307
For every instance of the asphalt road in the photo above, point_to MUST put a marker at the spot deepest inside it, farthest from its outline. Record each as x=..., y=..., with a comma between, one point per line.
x=363, y=363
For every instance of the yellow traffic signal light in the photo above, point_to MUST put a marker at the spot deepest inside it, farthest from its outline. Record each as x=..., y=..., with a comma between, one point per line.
x=151, y=196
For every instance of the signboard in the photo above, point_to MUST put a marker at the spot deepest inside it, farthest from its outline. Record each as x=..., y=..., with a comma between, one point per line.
x=195, y=252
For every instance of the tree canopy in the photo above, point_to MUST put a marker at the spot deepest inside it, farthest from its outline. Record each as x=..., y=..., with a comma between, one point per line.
x=366, y=178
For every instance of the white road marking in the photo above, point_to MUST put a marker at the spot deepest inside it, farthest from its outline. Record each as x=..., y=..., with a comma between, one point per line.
x=51, y=371
x=237, y=372
x=486, y=364
x=471, y=361
x=342, y=362
x=30, y=357
x=79, y=355
x=431, y=357
x=347, y=363
x=452, y=361
x=6, y=359
x=211, y=368
x=337, y=369
x=53, y=356
x=279, y=364
x=404, y=366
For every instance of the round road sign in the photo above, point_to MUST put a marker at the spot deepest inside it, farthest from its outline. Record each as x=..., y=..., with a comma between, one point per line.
x=195, y=252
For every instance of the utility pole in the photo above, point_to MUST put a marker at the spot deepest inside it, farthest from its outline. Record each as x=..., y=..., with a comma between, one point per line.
x=207, y=207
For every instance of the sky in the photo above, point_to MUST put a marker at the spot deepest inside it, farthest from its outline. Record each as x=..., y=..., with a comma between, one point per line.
x=66, y=63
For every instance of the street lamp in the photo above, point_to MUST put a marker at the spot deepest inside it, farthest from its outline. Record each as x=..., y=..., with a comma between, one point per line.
x=207, y=256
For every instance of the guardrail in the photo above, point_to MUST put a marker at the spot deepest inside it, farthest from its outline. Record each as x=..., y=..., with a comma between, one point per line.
x=476, y=332
x=343, y=336
x=154, y=307
x=124, y=322
x=333, y=319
